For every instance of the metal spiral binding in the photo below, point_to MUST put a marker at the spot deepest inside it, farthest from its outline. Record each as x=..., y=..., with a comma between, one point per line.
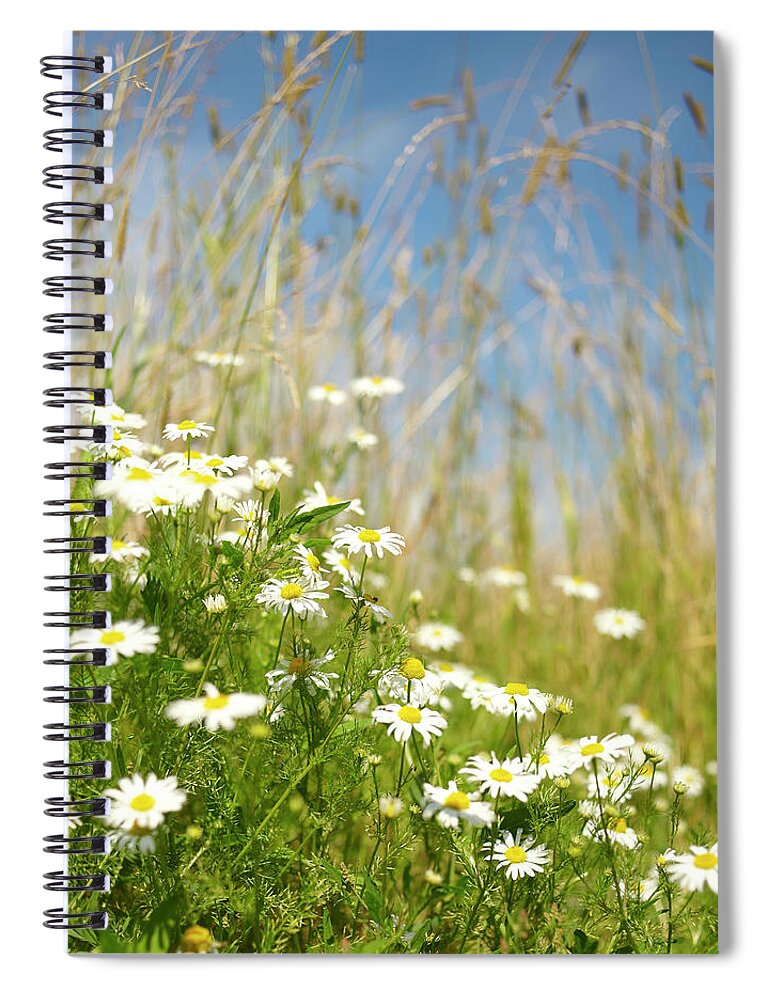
x=66, y=104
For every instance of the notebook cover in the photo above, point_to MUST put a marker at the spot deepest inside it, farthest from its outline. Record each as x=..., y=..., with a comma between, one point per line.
x=411, y=638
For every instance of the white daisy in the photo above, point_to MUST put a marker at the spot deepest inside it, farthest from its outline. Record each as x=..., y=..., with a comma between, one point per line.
x=215, y=604
x=166, y=505
x=376, y=386
x=219, y=359
x=466, y=574
x=120, y=552
x=640, y=890
x=689, y=776
x=142, y=803
x=121, y=445
x=318, y=497
x=264, y=478
x=126, y=638
x=309, y=563
x=281, y=465
x=610, y=783
x=137, y=484
x=215, y=710
x=553, y=761
x=455, y=674
x=518, y=697
x=193, y=484
x=648, y=760
x=577, y=586
x=225, y=465
x=113, y=415
x=449, y=805
x=379, y=612
x=299, y=596
x=340, y=563
x=517, y=855
x=617, y=831
x=608, y=749
x=481, y=693
x=412, y=679
x=508, y=778
x=250, y=513
x=618, y=623
x=504, y=576
x=363, y=440
x=401, y=720
x=327, y=392
x=436, y=636
x=638, y=719
x=370, y=541
x=390, y=806
x=186, y=429
x=301, y=669
x=697, y=870
x=132, y=840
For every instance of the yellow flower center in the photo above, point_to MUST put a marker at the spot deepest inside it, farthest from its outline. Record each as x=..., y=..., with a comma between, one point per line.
x=139, y=475
x=329, y=387
x=299, y=666
x=122, y=452
x=410, y=714
x=368, y=535
x=142, y=803
x=332, y=499
x=619, y=619
x=646, y=770
x=446, y=668
x=619, y=825
x=592, y=748
x=412, y=669
x=196, y=940
x=542, y=758
x=111, y=637
x=204, y=479
x=195, y=454
x=480, y=679
x=313, y=562
x=215, y=701
x=187, y=425
x=705, y=861
x=160, y=502
x=500, y=774
x=376, y=379
x=457, y=800
x=578, y=580
x=515, y=854
x=214, y=463
x=291, y=591
x=117, y=545
x=514, y=688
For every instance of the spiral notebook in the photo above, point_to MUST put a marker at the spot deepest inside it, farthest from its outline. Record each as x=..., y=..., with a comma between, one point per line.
x=382, y=372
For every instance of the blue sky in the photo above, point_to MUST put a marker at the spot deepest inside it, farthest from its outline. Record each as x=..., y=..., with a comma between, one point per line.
x=373, y=122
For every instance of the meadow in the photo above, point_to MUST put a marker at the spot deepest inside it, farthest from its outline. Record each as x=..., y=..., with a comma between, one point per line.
x=412, y=641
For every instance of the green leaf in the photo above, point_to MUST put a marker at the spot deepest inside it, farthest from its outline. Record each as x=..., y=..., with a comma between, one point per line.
x=233, y=553
x=373, y=900
x=317, y=543
x=521, y=815
x=275, y=506
x=583, y=944
x=310, y=518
